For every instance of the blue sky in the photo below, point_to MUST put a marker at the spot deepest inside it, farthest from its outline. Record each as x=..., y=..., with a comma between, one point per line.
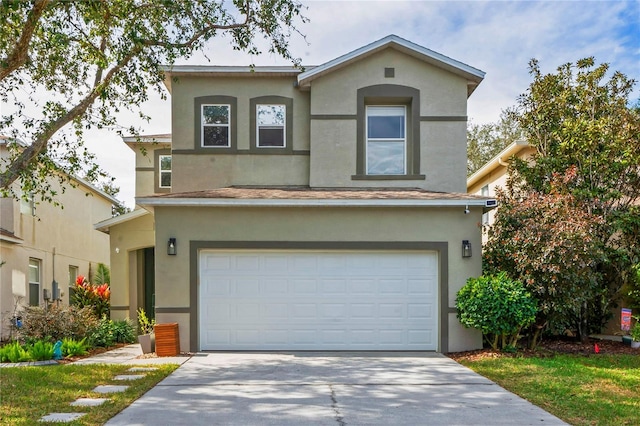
x=498, y=37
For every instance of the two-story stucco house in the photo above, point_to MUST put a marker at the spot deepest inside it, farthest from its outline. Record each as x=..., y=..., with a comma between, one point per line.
x=315, y=209
x=41, y=243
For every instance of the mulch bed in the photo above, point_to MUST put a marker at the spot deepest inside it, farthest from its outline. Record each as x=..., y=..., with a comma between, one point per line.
x=552, y=347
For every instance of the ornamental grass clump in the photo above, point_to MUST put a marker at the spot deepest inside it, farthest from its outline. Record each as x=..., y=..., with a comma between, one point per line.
x=497, y=306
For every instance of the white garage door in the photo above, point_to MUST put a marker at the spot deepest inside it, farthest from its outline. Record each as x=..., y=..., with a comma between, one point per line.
x=331, y=300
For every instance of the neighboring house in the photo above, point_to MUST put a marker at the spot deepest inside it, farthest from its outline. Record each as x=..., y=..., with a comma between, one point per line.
x=493, y=175
x=41, y=243
x=322, y=209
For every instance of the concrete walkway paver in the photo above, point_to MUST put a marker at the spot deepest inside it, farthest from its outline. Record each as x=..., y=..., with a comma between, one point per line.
x=88, y=402
x=61, y=417
x=110, y=388
x=328, y=389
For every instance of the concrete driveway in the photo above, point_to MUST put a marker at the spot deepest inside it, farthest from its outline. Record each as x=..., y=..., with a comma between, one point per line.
x=328, y=389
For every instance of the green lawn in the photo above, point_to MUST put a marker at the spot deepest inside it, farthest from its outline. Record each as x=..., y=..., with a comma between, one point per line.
x=592, y=390
x=28, y=393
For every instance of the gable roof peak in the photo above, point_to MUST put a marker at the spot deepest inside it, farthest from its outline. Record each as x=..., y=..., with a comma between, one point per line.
x=473, y=75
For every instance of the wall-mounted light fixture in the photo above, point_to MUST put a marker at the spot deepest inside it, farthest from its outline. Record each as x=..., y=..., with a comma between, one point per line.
x=466, y=248
x=171, y=247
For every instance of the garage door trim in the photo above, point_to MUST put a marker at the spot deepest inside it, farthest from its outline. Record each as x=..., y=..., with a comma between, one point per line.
x=440, y=247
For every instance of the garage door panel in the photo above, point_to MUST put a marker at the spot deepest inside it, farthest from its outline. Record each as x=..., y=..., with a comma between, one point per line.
x=252, y=300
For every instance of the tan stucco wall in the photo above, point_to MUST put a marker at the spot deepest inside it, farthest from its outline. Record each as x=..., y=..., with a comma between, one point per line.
x=211, y=171
x=126, y=239
x=313, y=224
x=59, y=238
x=199, y=172
x=441, y=92
x=146, y=167
x=442, y=143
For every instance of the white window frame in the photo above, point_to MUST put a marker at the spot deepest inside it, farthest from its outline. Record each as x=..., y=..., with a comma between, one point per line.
x=28, y=206
x=369, y=140
x=203, y=125
x=484, y=191
x=268, y=126
x=161, y=171
x=74, y=271
x=35, y=263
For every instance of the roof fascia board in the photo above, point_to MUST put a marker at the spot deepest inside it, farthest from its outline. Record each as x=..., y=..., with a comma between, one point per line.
x=497, y=161
x=11, y=240
x=427, y=55
x=106, y=224
x=226, y=202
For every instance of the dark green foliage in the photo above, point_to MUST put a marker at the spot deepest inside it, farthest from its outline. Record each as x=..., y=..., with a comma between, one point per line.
x=497, y=306
x=102, y=335
x=124, y=331
x=567, y=225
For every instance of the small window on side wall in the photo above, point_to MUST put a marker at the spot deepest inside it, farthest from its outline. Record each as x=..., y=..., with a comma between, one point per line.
x=34, y=282
x=271, y=124
x=164, y=175
x=216, y=129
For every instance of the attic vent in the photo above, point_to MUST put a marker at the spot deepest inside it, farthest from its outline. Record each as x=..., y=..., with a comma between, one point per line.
x=389, y=72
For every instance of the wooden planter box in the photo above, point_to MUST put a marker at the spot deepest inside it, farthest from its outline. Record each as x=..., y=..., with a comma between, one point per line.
x=167, y=339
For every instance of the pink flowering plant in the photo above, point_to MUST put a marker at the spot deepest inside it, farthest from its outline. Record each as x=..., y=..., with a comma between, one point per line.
x=94, y=295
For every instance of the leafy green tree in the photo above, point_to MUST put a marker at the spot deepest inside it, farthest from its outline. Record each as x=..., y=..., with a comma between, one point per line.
x=567, y=225
x=548, y=241
x=485, y=141
x=81, y=62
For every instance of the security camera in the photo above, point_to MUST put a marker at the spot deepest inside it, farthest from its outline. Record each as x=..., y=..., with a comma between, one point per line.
x=466, y=210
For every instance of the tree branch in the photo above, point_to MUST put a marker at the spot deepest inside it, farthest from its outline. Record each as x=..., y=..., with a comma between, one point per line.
x=20, y=54
x=39, y=144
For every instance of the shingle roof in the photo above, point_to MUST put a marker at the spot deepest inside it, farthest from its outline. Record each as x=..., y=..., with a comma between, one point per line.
x=307, y=193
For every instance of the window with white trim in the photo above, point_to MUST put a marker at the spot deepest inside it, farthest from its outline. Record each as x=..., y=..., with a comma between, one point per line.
x=386, y=142
x=271, y=124
x=216, y=127
x=164, y=171
x=73, y=274
x=35, y=279
x=485, y=193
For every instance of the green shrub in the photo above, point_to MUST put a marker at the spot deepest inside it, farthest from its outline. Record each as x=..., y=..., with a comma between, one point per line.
x=72, y=347
x=124, y=331
x=55, y=323
x=13, y=352
x=102, y=335
x=40, y=351
x=497, y=306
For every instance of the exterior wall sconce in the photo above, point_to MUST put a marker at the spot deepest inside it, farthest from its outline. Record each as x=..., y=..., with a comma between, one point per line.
x=466, y=248
x=171, y=247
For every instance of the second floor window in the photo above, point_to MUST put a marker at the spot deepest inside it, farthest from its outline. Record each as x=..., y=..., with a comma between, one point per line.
x=386, y=140
x=165, y=171
x=270, y=125
x=216, y=121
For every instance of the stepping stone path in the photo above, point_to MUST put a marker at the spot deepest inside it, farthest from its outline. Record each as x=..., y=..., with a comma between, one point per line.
x=93, y=402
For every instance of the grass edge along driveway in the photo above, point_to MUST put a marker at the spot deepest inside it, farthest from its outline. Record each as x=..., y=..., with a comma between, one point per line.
x=28, y=393
x=581, y=390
